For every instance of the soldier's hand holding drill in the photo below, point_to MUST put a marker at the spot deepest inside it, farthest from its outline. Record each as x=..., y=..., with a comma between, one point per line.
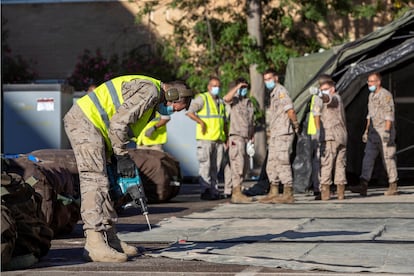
x=125, y=166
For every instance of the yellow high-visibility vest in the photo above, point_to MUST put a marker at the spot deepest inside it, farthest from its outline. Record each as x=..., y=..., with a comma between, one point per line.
x=100, y=105
x=214, y=119
x=158, y=137
x=311, y=120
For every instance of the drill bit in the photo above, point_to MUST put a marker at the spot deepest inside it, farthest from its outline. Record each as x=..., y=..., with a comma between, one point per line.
x=149, y=225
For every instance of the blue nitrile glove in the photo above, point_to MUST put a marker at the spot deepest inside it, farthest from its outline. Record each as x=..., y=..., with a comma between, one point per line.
x=125, y=166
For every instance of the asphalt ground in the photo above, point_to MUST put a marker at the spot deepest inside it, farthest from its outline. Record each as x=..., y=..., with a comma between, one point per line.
x=65, y=254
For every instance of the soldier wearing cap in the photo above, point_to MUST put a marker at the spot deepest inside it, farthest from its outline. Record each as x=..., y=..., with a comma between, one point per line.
x=98, y=128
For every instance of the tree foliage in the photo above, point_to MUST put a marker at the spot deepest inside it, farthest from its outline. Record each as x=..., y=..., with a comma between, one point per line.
x=94, y=68
x=212, y=39
x=91, y=68
x=15, y=68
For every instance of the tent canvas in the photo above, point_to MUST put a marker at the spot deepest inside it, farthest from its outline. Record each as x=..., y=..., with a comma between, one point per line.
x=388, y=50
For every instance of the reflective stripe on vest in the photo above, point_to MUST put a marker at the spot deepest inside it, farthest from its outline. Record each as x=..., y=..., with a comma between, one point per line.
x=100, y=105
x=311, y=120
x=213, y=118
x=158, y=137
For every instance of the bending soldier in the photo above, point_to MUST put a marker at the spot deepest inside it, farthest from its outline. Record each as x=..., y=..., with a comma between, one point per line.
x=97, y=127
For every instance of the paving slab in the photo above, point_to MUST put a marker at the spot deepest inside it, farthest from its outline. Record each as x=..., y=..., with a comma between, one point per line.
x=371, y=234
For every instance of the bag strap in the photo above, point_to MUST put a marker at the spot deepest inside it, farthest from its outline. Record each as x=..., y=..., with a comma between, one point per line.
x=68, y=200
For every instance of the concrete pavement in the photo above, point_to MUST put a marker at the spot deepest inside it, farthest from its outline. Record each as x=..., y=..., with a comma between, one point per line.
x=372, y=235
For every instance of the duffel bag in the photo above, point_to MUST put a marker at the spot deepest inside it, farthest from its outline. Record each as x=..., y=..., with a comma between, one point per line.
x=160, y=174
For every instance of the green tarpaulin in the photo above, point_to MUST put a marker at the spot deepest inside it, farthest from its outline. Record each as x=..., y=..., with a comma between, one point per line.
x=388, y=50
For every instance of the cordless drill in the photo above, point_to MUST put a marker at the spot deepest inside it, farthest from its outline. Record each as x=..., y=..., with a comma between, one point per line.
x=130, y=187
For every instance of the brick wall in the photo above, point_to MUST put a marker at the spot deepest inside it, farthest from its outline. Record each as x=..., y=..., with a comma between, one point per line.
x=54, y=35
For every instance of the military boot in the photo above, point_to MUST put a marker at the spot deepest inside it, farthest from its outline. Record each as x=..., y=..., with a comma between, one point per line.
x=340, y=190
x=362, y=188
x=120, y=246
x=273, y=191
x=238, y=197
x=325, y=192
x=273, y=196
x=97, y=249
x=273, y=199
x=392, y=189
x=288, y=194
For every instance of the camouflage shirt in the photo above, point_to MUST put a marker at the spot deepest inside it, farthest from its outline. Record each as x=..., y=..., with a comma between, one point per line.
x=332, y=119
x=241, y=112
x=139, y=96
x=280, y=103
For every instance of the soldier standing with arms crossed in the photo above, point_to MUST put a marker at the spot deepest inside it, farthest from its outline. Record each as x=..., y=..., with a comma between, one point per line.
x=283, y=124
x=379, y=137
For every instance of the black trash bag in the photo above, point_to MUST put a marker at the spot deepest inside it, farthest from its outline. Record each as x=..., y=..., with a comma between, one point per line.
x=262, y=185
x=302, y=164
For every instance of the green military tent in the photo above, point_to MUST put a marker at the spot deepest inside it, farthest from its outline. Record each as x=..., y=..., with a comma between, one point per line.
x=388, y=50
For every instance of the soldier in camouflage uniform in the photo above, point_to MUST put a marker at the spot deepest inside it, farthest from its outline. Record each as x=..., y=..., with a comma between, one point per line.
x=98, y=127
x=241, y=113
x=379, y=137
x=283, y=124
x=329, y=116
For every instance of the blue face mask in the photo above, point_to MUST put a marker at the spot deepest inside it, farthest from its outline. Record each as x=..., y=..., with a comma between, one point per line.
x=372, y=88
x=242, y=91
x=165, y=110
x=270, y=84
x=215, y=90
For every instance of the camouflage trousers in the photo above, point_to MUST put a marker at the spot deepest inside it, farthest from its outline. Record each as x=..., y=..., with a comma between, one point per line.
x=210, y=155
x=332, y=159
x=278, y=167
x=228, y=185
x=88, y=145
x=238, y=159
